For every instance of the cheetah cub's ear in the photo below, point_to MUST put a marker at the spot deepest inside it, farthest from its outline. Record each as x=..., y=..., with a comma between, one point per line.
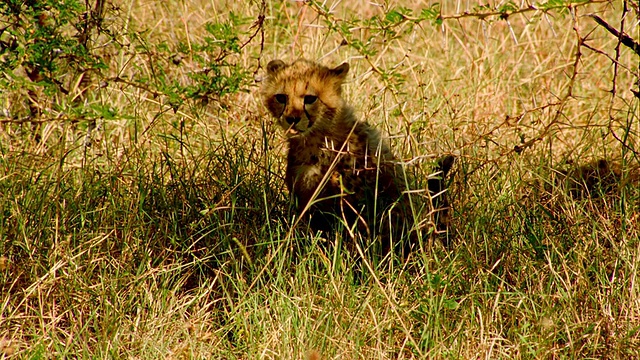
x=275, y=66
x=336, y=77
x=340, y=71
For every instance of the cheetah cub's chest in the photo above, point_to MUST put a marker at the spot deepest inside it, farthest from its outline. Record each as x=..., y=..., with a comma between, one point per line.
x=340, y=164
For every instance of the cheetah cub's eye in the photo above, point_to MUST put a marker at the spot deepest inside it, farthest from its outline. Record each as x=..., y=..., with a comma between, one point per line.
x=310, y=99
x=281, y=98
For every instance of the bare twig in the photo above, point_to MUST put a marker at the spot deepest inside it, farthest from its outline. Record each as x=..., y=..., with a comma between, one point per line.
x=504, y=14
x=598, y=51
x=259, y=26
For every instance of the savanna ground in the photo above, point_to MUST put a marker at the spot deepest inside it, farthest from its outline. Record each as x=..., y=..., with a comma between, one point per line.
x=143, y=211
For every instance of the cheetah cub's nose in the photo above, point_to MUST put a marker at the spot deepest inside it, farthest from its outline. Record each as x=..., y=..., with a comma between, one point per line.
x=292, y=120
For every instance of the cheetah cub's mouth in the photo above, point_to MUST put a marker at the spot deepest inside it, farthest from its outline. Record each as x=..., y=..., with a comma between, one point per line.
x=291, y=131
x=303, y=96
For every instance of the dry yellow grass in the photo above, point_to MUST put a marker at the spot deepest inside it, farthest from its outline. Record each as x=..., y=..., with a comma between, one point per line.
x=165, y=237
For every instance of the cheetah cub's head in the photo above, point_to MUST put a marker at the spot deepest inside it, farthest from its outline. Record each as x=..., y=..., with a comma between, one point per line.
x=304, y=96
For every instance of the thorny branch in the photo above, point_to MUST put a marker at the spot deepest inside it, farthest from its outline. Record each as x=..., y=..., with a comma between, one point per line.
x=504, y=14
x=546, y=131
x=625, y=39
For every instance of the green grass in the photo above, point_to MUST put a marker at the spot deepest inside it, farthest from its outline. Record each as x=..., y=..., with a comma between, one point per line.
x=170, y=235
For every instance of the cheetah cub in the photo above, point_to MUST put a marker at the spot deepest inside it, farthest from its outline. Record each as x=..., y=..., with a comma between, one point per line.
x=338, y=168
